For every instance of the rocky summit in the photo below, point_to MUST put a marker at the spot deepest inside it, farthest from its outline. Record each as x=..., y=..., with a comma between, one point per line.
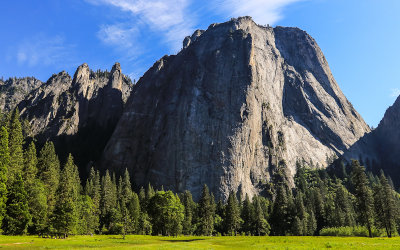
x=237, y=103
x=78, y=114
x=379, y=150
x=14, y=90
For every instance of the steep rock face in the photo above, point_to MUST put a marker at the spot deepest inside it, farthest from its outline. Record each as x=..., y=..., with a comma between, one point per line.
x=237, y=102
x=14, y=90
x=79, y=113
x=380, y=148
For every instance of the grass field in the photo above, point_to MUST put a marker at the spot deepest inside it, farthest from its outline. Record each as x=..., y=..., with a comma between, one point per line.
x=239, y=242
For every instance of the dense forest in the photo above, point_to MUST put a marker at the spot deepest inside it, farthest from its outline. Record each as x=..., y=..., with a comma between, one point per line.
x=40, y=195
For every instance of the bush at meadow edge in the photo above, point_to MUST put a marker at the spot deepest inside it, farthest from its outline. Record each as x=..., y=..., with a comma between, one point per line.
x=350, y=231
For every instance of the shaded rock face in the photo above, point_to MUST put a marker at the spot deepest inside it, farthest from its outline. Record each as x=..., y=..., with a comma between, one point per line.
x=237, y=102
x=79, y=113
x=14, y=90
x=380, y=148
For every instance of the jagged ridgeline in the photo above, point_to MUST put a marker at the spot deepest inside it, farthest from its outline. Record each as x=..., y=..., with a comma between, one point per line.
x=78, y=114
x=238, y=102
x=379, y=150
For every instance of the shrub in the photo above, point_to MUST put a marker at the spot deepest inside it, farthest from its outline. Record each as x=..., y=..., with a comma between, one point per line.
x=349, y=231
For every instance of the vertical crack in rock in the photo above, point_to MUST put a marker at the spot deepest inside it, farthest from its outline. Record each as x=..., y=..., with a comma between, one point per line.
x=239, y=100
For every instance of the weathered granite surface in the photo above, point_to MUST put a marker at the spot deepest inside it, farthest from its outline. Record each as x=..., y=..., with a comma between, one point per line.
x=236, y=102
x=63, y=104
x=78, y=114
x=380, y=149
x=14, y=90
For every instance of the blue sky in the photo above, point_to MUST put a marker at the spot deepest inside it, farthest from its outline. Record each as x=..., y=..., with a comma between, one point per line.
x=360, y=38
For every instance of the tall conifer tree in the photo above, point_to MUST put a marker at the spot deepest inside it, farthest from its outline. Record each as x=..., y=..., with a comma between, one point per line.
x=206, y=213
x=261, y=225
x=189, y=204
x=93, y=190
x=15, y=142
x=4, y=163
x=17, y=216
x=344, y=212
x=49, y=174
x=363, y=194
x=232, y=215
x=65, y=216
x=282, y=211
x=134, y=212
x=247, y=215
x=35, y=190
x=125, y=198
x=385, y=205
x=110, y=214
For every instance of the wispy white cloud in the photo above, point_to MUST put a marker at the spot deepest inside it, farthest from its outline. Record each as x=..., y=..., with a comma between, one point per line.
x=145, y=21
x=44, y=50
x=394, y=93
x=168, y=17
x=174, y=19
x=118, y=34
x=262, y=11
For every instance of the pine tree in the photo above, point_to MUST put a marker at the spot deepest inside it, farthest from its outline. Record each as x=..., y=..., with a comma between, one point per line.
x=317, y=194
x=15, y=143
x=247, y=215
x=329, y=209
x=300, y=177
x=30, y=165
x=232, y=215
x=119, y=190
x=4, y=163
x=110, y=212
x=300, y=223
x=344, y=212
x=219, y=214
x=261, y=225
x=206, y=213
x=125, y=198
x=87, y=219
x=35, y=190
x=142, y=199
x=189, y=205
x=66, y=212
x=37, y=201
x=126, y=189
x=385, y=205
x=297, y=226
x=282, y=211
x=49, y=174
x=363, y=194
x=311, y=223
x=93, y=190
x=145, y=226
x=17, y=216
x=134, y=212
x=149, y=194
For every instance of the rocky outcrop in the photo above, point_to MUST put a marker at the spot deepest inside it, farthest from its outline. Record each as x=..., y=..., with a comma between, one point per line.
x=239, y=101
x=79, y=113
x=14, y=90
x=380, y=148
x=190, y=39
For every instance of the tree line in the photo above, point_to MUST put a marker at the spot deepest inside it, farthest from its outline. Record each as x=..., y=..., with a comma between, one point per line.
x=39, y=195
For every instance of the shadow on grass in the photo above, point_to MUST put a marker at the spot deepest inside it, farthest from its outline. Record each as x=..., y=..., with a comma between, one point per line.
x=183, y=240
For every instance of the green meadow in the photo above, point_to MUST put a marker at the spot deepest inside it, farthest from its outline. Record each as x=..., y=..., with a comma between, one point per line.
x=238, y=242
